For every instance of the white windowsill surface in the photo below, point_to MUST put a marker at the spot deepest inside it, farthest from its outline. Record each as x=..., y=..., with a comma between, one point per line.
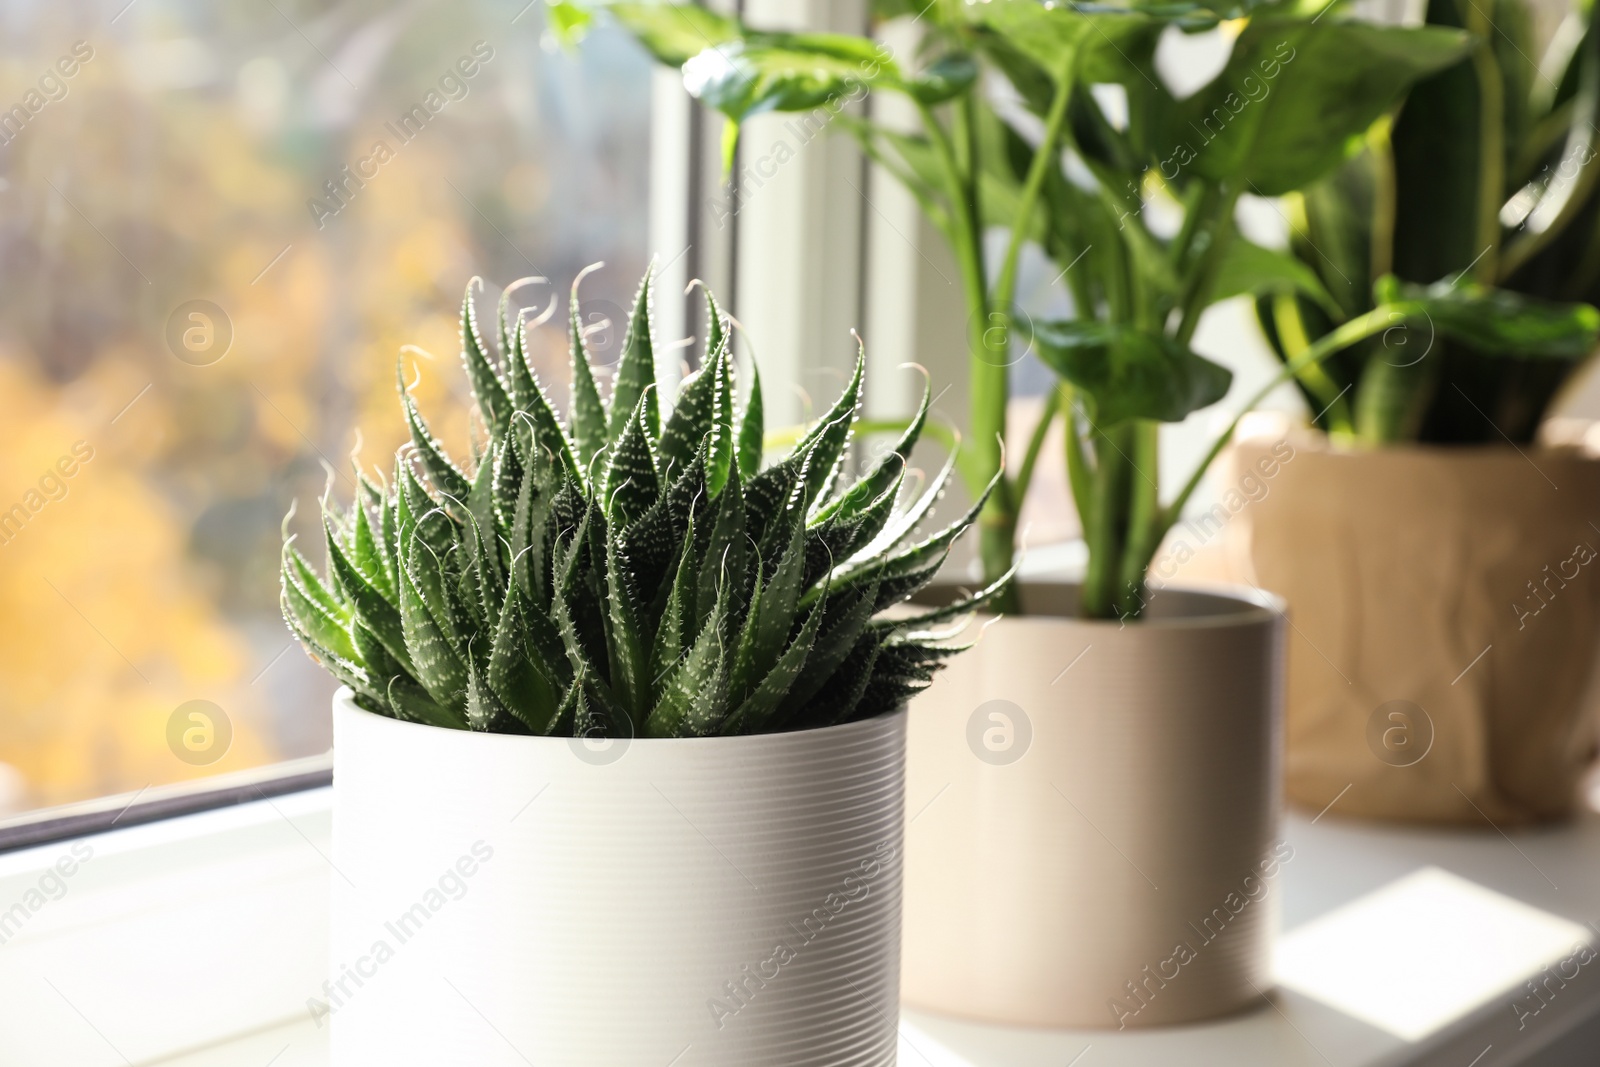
x=194, y=942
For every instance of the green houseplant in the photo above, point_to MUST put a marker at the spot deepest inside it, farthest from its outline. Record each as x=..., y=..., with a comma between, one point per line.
x=1480, y=187
x=1480, y=195
x=1261, y=127
x=1052, y=123
x=688, y=651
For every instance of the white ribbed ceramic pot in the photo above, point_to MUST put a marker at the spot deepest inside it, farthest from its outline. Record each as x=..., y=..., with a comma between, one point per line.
x=1093, y=810
x=710, y=902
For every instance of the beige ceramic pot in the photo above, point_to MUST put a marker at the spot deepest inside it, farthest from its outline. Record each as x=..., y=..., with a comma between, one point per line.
x=1093, y=814
x=1447, y=618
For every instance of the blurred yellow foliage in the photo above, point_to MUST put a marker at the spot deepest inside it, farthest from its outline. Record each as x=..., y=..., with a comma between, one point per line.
x=104, y=631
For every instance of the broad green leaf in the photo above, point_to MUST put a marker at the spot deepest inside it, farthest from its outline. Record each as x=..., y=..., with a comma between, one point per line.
x=1053, y=36
x=1248, y=268
x=1295, y=92
x=761, y=73
x=1436, y=145
x=569, y=21
x=945, y=78
x=675, y=33
x=1500, y=322
x=1130, y=373
x=786, y=72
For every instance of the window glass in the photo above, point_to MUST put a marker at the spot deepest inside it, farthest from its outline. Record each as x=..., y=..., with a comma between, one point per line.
x=219, y=223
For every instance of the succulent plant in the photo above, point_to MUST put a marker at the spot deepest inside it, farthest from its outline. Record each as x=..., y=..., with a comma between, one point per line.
x=617, y=574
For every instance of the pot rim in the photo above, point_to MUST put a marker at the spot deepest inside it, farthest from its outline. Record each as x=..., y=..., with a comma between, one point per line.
x=1260, y=605
x=344, y=703
x=1301, y=436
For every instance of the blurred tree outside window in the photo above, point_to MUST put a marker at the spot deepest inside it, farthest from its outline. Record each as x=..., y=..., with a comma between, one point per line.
x=219, y=223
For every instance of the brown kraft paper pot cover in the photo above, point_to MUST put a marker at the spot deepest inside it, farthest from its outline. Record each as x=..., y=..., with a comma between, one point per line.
x=1463, y=582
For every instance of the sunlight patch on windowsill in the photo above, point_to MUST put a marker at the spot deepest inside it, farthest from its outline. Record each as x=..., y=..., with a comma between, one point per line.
x=1421, y=952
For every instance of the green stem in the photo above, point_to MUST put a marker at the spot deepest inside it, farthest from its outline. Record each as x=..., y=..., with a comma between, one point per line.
x=1104, y=533
x=983, y=454
x=989, y=381
x=1144, y=519
x=1044, y=157
x=992, y=387
x=1292, y=336
x=1052, y=403
x=1079, y=474
x=964, y=240
x=1203, y=203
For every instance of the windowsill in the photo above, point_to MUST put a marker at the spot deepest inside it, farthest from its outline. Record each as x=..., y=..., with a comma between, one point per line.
x=195, y=941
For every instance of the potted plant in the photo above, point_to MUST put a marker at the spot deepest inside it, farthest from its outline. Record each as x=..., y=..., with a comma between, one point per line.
x=1424, y=507
x=1103, y=740
x=619, y=761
